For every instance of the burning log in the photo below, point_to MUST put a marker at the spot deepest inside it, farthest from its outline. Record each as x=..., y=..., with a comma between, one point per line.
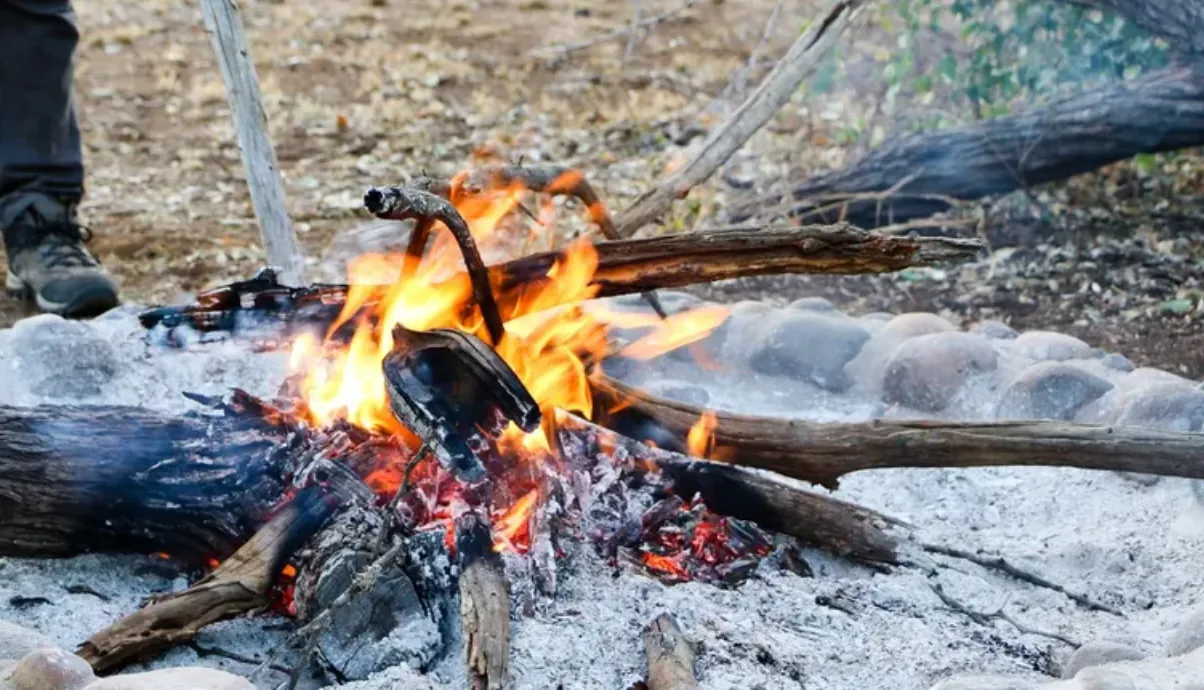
x=762, y=498
x=238, y=585
x=484, y=604
x=670, y=655
x=624, y=267
x=823, y=452
x=114, y=479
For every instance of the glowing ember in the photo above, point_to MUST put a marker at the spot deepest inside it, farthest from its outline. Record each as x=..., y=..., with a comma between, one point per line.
x=701, y=439
x=681, y=542
x=512, y=530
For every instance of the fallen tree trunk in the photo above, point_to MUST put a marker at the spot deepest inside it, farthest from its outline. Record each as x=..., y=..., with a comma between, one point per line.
x=916, y=176
x=824, y=452
x=74, y=480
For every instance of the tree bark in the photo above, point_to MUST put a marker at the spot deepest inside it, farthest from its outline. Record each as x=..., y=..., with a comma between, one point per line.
x=74, y=480
x=824, y=452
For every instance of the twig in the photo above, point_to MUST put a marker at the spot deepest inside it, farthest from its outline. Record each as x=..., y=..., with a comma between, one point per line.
x=985, y=619
x=560, y=52
x=634, y=36
x=998, y=563
x=739, y=80
x=799, y=63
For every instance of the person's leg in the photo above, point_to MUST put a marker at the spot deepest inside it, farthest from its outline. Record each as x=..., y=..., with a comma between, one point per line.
x=41, y=163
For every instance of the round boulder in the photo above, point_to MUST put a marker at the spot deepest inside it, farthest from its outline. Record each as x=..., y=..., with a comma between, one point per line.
x=182, y=678
x=1169, y=405
x=50, y=668
x=818, y=304
x=1098, y=654
x=1117, y=362
x=927, y=371
x=995, y=330
x=1189, y=636
x=732, y=340
x=1046, y=345
x=810, y=347
x=61, y=359
x=916, y=323
x=16, y=641
x=1051, y=390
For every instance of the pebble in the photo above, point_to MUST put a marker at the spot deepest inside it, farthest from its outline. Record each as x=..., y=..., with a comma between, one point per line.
x=927, y=371
x=181, y=678
x=16, y=641
x=1051, y=390
x=817, y=304
x=995, y=330
x=1098, y=654
x=810, y=347
x=51, y=668
x=1046, y=345
x=61, y=359
x=1171, y=406
x=1188, y=636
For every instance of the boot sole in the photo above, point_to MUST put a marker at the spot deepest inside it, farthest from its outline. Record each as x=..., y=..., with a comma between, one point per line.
x=87, y=304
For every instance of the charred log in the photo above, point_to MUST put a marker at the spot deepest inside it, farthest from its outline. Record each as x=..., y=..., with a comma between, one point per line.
x=670, y=655
x=238, y=585
x=484, y=604
x=824, y=452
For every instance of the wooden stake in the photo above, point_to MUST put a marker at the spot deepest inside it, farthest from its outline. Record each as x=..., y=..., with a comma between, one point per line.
x=250, y=124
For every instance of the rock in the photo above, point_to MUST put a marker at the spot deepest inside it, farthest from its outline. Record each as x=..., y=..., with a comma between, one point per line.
x=1182, y=672
x=995, y=330
x=1168, y=405
x=732, y=340
x=984, y=682
x=1051, y=390
x=882, y=316
x=17, y=641
x=1098, y=654
x=917, y=323
x=1116, y=362
x=1046, y=345
x=50, y=668
x=61, y=359
x=683, y=392
x=1145, y=376
x=1188, y=636
x=818, y=304
x=182, y=678
x=927, y=371
x=810, y=347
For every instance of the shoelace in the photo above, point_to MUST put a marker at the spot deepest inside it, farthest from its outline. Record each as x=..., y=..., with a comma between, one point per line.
x=62, y=245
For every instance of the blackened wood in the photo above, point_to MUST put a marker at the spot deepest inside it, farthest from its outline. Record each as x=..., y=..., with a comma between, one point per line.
x=670, y=655
x=484, y=604
x=122, y=479
x=240, y=584
x=824, y=452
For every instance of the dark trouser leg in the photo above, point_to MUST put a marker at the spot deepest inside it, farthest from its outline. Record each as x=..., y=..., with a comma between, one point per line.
x=39, y=137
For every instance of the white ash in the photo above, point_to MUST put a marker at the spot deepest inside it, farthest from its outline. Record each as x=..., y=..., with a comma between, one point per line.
x=1131, y=546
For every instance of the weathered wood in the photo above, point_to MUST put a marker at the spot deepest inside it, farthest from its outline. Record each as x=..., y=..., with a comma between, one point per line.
x=117, y=479
x=670, y=655
x=250, y=125
x=768, y=500
x=803, y=58
x=484, y=604
x=824, y=452
x=240, y=584
x=624, y=267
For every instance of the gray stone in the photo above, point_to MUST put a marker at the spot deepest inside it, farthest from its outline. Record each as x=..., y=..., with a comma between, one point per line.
x=62, y=359
x=182, y=678
x=1098, y=654
x=1188, y=636
x=1169, y=405
x=732, y=340
x=995, y=330
x=984, y=682
x=927, y=371
x=683, y=392
x=1097, y=678
x=1117, y=362
x=1051, y=390
x=810, y=347
x=1180, y=673
x=917, y=323
x=50, y=668
x=1145, y=376
x=1046, y=345
x=813, y=304
x=17, y=641
x=878, y=316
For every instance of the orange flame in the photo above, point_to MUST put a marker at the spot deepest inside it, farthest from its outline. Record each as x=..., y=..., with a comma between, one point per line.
x=670, y=565
x=677, y=331
x=512, y=530
x=701, y=439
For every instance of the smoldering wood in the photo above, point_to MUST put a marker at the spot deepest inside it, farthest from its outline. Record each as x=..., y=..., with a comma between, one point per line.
x=670, y=655
x=118, y=479
x=803, y=58
x=240, y=584
x=484, y=604
x=916, y=176
x=624, y=267
x=823, y=452
x=770, y=501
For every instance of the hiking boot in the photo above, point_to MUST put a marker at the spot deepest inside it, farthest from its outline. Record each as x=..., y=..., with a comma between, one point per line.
x=47, y=261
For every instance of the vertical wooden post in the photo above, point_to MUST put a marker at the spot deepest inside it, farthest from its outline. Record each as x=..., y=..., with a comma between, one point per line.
x=250, y=123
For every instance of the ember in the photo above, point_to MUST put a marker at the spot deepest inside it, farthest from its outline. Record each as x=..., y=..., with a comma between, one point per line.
x=681, y=542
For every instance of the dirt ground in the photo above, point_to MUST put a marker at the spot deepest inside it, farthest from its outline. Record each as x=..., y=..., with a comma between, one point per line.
x=363, y=92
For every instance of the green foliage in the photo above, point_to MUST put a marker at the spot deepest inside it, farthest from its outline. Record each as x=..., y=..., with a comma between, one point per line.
x=991, y=54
